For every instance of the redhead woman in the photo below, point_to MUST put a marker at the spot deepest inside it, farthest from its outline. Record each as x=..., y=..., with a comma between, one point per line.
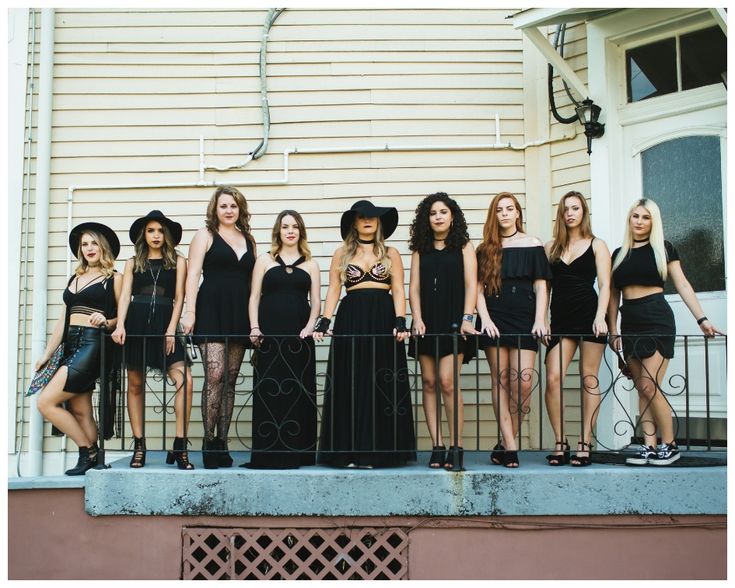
x=284, y=304
x=151, y=303
x=442, y=293
x=366, y=419
x=217, y=312
x=647, y=332
x=511, y=306
x=90, y=300
x=577, y=260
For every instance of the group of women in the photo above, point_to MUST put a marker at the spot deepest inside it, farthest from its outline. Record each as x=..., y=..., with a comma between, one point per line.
x=229, y=299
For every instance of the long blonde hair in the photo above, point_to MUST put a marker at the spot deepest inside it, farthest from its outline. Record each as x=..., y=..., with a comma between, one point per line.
x=655, y=238
x=350, y=245
x=561, y=233
x=276, y=242
x=107, y=259
x=490, y=251
x=168, y=251
x=243, y=218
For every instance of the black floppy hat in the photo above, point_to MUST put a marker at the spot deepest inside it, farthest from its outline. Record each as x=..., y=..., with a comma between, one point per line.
x=77, y=232
x=387, y=214
x=155, y=215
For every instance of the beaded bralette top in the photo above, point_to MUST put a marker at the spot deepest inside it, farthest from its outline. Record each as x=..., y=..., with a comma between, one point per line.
x=356, y=275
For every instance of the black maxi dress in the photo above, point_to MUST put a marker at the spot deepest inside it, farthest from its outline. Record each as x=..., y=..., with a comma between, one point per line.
x=284, y=395
x=441, y=280
x=149, y=314
x=367, y=418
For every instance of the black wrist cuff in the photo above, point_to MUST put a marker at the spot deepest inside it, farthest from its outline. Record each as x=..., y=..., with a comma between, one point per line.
x=401, y=324
x=322, y=324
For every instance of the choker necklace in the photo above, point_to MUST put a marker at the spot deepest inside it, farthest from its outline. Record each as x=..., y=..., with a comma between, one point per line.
x=440, y=240
x=509, y=236
x=641, y=240
x=366, y=242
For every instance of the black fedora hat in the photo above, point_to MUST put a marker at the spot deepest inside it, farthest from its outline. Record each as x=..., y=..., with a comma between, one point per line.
x=155, y=215
x=387, y=214
x=77, y=232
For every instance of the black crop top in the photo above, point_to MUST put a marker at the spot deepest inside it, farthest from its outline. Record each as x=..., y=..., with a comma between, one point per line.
x=639, y=267
x=91, y=298
x=356, y=275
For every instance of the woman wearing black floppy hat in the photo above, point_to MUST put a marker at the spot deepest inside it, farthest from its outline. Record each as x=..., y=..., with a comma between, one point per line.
x=90, y=302
x=148, y=314
x=367, y=419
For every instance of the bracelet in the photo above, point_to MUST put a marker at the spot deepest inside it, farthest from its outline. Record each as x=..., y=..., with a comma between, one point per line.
x=321, y=325
x=468, y=317
x=700, y=321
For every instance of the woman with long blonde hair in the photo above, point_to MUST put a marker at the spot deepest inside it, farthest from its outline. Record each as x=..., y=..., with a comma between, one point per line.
x=217, y=312
x=284, y=304
x=577, y=258
x=366, y=419
x=647, y=332
x=90, y=301
x=511, y=307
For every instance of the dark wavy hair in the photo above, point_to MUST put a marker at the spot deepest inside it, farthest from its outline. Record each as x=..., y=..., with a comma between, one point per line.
x=422, y=237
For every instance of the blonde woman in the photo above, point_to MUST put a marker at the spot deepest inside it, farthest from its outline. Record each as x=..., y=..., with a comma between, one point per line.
x=647, y=332
x=217, y=312
x=366, y=419
x=577, y=259
x=90, y=302
x=284, y=304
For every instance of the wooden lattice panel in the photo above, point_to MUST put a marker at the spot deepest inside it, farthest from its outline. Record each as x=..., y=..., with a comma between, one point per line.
x=294, y=554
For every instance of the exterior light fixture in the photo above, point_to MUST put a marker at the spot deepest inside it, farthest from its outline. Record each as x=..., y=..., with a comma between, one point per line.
x=588, y=114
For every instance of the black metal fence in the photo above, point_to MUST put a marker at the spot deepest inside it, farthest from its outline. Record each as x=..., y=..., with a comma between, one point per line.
x=282, y=391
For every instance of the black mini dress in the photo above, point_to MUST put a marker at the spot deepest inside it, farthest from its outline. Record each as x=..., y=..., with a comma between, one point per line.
x=513, y=308
x=573, y=299
x=149, y=315
x=222, y=301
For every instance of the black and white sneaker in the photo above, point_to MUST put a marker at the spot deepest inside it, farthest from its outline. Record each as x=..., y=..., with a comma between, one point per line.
x=666, y=454
x=642, y=456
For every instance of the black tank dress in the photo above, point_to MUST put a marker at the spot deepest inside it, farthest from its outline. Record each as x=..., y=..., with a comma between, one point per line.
x=513, y=308
x=441, y=280
x=284, y=395
x=222, y=301
x=573, y=298
x=149, y=313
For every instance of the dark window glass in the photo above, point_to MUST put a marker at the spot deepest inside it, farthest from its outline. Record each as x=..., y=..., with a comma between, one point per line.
x=651, y=70
x=683, y=176
x=703, y=58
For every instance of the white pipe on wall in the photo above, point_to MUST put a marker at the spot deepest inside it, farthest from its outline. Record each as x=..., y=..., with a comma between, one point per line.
x=40, y=242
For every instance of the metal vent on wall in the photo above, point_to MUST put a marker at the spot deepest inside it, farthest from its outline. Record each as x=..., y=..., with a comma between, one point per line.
x=294, y=554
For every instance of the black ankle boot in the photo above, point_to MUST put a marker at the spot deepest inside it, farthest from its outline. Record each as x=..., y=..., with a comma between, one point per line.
x=180, y=455
x=87, y=460
x=209, y=454
x=223, y=455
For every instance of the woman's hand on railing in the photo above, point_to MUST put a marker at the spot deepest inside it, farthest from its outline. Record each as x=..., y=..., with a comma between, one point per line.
x=489, y=328
x=118, y=335
x=187, y=322
x=709, y=329
x=540, y=331
x=467, y=328
x=169, y=342
x=616, y=342
x=418, y=327
x=307, y=331
x=599, y=327
x=400, y=331
x=256, y=336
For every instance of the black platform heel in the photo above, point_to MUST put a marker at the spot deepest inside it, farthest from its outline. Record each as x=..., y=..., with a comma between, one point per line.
x=510, y=459
x=179, y=455
x=580, y=461
x=438, y=456
x=497, y=455
x=558, y=460
x=139, y=450
x=455, y=459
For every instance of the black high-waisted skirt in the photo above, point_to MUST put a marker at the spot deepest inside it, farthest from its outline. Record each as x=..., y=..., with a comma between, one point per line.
x=82, y=358
x=512, y=310
x=647, y=325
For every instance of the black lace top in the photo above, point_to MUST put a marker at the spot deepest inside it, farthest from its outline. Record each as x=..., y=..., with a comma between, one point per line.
x=356, y=275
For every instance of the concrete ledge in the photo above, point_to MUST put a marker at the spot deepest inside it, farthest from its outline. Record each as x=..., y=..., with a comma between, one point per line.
x=46, y=482
x=483, y=489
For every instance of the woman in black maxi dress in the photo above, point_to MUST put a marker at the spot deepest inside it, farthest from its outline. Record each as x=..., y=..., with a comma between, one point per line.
x=285, y=280
x=366, y=418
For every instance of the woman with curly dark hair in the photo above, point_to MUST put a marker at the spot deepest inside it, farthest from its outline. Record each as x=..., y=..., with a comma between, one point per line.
x=442, y=294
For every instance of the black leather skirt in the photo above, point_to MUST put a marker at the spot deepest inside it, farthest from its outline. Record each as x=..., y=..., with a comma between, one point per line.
x=82, y=358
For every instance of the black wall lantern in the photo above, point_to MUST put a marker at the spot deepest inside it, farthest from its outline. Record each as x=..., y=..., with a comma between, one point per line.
x=588, y=113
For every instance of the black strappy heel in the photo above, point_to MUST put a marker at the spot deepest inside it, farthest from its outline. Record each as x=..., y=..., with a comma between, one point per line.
x=138, y=458
x=180, y=455
x=580, y=461
x=558, y=460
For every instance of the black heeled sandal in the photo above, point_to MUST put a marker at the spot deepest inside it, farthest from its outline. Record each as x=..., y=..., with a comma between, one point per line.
x=510, y=459
x=180, y=455
x=498, y=453
x=138, y=458
x=450, y=464
x=558, y=460
x=438, y=456
x=580, y=461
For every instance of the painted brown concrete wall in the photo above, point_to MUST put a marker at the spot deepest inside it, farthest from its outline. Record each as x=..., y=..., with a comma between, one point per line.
x=51, y=537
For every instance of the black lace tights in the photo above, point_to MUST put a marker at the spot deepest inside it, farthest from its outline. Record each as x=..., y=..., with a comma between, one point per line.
x=218, y=396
